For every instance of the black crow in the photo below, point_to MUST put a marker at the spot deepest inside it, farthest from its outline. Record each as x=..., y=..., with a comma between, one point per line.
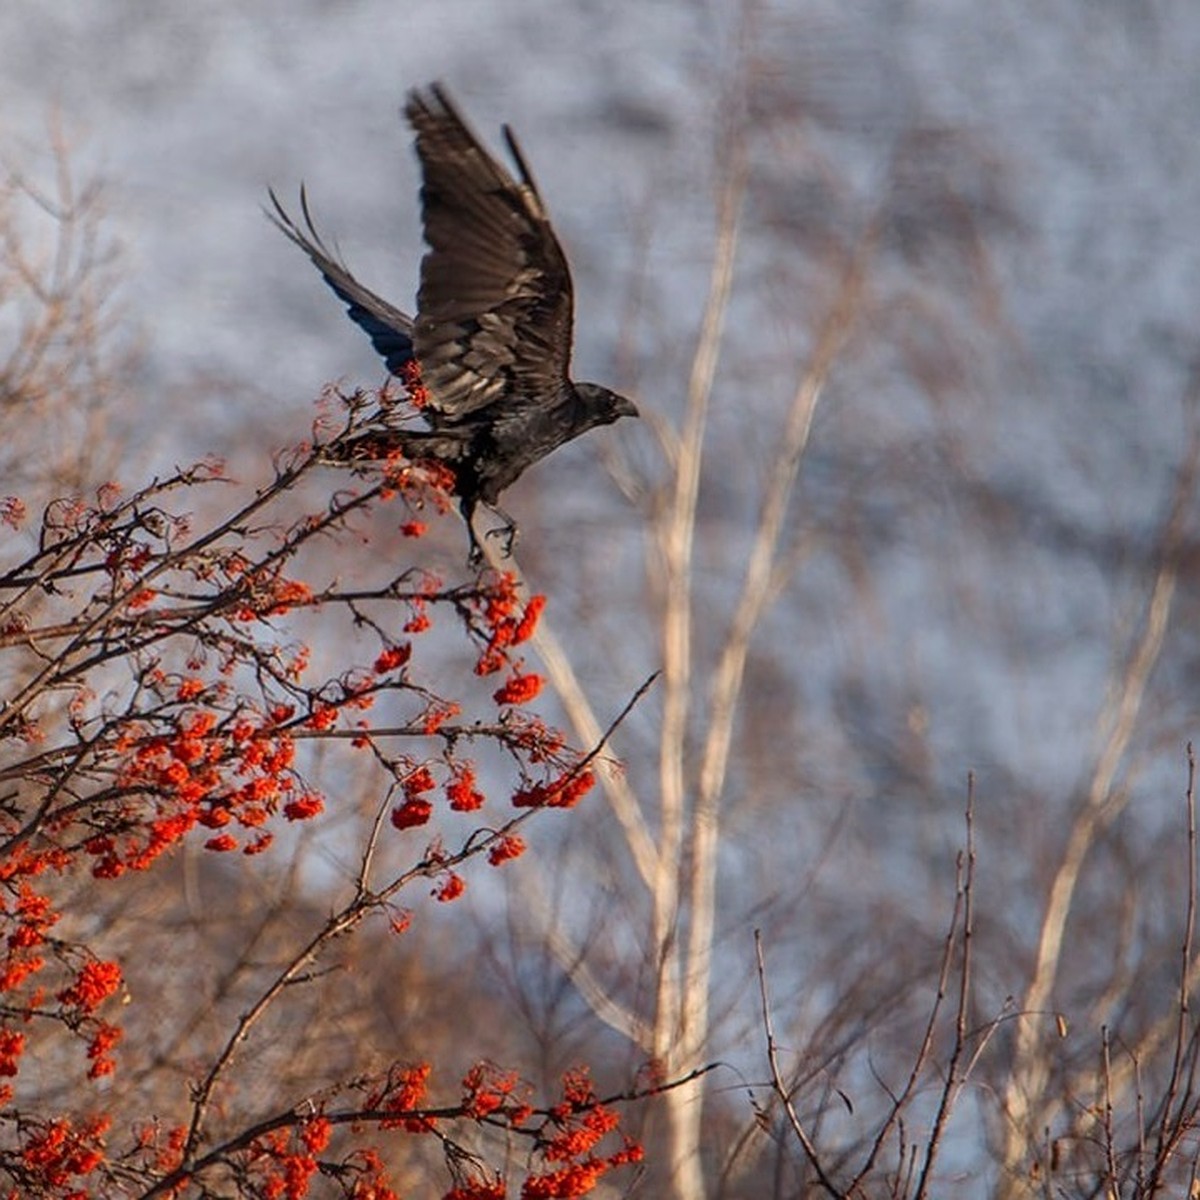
x=492, y=334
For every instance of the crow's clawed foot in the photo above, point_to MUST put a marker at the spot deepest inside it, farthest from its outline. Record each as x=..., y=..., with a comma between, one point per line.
x=509, y=533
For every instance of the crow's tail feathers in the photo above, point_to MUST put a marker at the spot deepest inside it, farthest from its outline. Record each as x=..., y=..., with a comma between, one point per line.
x=380, y=445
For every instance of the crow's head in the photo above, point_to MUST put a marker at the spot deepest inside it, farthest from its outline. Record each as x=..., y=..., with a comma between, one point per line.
x=602, y=406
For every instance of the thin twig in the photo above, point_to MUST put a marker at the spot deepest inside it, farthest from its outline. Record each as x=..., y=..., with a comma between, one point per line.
x=952, y=1085
x=1110, y=1149
x=778, y=1086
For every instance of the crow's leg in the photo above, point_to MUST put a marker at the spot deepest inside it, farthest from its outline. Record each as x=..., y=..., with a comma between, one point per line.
x=466, y=506
x=509, y=531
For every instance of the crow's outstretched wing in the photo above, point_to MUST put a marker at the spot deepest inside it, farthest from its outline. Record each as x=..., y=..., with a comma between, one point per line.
x=390, y=330
x=493, y=329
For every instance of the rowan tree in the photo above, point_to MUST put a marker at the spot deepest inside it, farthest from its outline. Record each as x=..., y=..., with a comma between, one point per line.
x=190, y=683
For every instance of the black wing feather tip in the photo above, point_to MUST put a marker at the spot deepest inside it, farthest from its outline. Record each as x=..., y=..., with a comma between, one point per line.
x=308, y=242
x=514, y=148
x=423, y=105
x=426, y=103
x=438, y=89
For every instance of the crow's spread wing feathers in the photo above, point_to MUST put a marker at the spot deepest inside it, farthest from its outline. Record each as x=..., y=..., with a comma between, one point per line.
x=390, y=330
x=492, y=335
x=494, y=320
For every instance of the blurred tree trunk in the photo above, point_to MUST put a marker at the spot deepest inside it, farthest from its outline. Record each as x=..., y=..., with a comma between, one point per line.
x=675, y=850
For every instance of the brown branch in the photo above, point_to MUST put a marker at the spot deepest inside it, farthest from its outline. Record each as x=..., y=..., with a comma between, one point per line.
x=303, y=1113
